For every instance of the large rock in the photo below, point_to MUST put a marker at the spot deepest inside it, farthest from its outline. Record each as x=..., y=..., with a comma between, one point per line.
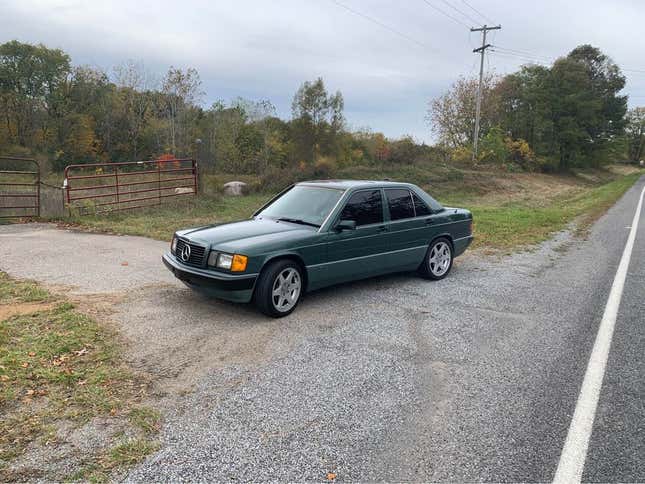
x=235, y=188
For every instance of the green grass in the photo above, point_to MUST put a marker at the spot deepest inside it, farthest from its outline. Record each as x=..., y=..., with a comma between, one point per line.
x=58, y=365
x=528, y=211
x=21, y=291
x=161, y=222
x=513, y=225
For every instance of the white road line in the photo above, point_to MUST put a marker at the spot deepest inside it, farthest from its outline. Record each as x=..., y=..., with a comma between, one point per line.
x=574, y=453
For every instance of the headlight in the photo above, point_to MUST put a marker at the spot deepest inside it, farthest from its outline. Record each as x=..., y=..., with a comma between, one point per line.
x=224, y=261
x=229, y=262
x=173, y=244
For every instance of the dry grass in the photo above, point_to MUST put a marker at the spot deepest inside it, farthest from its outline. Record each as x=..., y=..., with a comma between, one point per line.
x=60, y=369
x=511, y=209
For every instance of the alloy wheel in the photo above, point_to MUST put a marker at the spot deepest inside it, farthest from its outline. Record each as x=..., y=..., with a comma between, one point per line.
x=440, y=259
x=286, y=289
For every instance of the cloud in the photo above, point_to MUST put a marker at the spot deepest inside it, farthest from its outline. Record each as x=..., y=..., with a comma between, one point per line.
x=262, y=49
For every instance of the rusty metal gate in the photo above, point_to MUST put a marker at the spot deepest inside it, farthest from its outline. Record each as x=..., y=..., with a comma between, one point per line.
x=111, y=187
x=19, y=187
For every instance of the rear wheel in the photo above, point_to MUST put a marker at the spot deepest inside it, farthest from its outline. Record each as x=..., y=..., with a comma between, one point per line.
x=438, y=260
x=279, y=288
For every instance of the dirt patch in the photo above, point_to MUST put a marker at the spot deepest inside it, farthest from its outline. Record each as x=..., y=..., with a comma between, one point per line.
x=14, y=309
x=536, y=189
x=625, y=169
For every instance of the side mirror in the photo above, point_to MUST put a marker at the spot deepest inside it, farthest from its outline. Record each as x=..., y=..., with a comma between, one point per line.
x=346, y=225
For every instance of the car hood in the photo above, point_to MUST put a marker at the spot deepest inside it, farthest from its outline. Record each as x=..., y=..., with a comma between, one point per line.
x=240, y=235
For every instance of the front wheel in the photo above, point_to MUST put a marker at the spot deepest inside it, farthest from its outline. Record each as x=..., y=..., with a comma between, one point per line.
x=279, y=288
x=438, y=260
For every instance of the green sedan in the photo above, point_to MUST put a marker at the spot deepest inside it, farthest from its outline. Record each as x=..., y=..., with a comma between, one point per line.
x=318, y=233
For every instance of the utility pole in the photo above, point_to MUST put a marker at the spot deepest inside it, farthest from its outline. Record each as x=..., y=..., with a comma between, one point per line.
x=481, y=50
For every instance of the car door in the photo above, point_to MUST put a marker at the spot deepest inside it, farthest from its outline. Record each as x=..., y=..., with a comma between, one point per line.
x=408, y=230
x=354, y=254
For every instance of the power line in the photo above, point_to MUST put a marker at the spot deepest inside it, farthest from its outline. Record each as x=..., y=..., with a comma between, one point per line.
x=520, y=52
x=523, y=54
x=383, y=25
x=518, y=57
x=446, y=14
x=475, y=21
x=477, y=12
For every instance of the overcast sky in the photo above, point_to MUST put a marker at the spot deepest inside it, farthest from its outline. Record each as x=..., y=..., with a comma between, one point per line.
x=266, y=49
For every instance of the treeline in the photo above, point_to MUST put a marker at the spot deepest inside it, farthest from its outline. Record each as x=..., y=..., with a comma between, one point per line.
x=78, y=114
x=571, y=114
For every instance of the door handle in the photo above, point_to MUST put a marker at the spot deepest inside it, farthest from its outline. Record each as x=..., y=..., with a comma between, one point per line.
x=382, y=228
x=429, y=221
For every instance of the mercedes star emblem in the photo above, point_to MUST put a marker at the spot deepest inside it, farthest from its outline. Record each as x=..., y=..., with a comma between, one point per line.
x=185, y=253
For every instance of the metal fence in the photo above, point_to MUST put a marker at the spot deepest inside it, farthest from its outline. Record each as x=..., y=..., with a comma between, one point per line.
x=111, y=187
x=19, y=187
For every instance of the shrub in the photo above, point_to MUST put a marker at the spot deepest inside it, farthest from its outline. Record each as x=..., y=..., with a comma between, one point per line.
x=461, y=155
x=521, y=153
x=324, y=167
x=493, y=147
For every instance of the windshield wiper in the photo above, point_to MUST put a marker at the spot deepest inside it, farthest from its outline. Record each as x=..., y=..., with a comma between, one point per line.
x=297, y=221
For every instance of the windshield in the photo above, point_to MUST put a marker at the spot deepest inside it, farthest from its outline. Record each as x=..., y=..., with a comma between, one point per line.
x=303, y=204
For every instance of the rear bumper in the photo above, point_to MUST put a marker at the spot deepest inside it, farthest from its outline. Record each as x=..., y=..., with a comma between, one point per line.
x=236, y=288
x=462, y=244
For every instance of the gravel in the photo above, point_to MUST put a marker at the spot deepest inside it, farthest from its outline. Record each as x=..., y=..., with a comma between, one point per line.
x=473, y=378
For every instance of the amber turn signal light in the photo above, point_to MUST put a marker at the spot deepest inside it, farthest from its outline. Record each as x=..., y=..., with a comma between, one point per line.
x=239, y=263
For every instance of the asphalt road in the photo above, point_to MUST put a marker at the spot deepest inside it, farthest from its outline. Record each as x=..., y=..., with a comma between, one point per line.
x=473, y=378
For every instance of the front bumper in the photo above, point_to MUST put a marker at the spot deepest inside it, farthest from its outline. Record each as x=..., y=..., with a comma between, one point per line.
x=231, y=287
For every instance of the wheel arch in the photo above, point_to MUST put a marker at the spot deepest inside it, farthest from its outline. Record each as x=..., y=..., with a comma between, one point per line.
x=444, y=236
x=289, y=256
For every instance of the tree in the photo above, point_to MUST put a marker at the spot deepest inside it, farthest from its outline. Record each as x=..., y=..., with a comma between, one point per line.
x=452, y=115
x=182, y=91
x=135, y=101
x=30, y=77
x=635, y=133
x=317, y=119
x=571, y=113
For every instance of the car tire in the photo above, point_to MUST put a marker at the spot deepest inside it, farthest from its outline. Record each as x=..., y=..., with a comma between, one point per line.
x=438, y=260
x=279, y=288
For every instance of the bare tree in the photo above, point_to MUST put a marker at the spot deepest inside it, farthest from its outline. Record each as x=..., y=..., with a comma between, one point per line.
x=182, y=90
x=135, y=83
x=452, y=115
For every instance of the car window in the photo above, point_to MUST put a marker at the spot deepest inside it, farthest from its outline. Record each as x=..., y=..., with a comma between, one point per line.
x=306, y=203
x=364, y=207
x=400, y=203
x=420, y=206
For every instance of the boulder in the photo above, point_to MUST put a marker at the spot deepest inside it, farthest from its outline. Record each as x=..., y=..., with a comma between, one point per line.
x=235, y=188
x=182, y=190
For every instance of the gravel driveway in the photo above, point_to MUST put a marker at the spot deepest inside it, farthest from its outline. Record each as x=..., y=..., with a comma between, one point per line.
x=397, y=378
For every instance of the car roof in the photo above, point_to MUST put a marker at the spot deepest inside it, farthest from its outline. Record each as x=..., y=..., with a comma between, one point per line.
x=347, y=184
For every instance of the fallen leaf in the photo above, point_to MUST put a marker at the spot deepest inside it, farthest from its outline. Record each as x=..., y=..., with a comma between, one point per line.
x=26, y=400
x=82, y=382
x=32, y=353
x=81, y=352
x=25, y=365
x=4, y=378
x=331, y=476
x=30, y=392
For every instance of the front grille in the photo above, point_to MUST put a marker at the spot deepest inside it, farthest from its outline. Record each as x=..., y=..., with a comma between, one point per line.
x=196, y=253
